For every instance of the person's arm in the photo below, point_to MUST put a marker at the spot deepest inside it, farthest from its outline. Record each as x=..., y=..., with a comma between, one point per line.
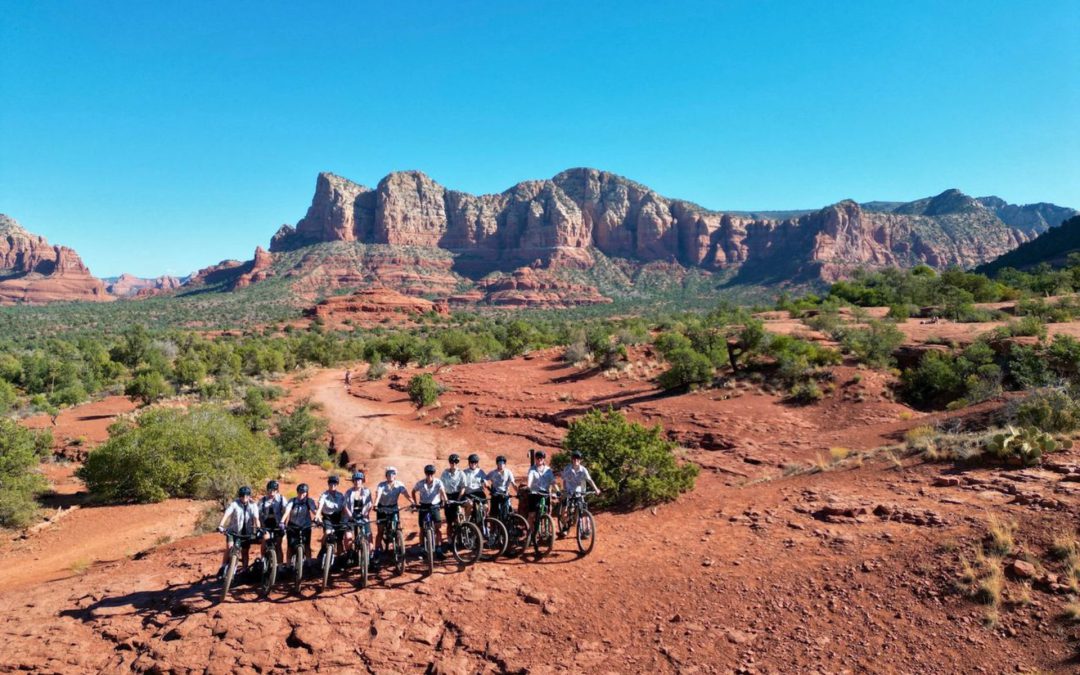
x=511, y=482
x=530, y=479
x=285, y=517
x=442, y=493
x=411, y=498
x=225, y=516
x=318, y=511
x=588, y=477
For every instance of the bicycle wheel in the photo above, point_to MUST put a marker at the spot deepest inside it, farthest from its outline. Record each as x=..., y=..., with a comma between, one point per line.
x=586, y=532
x=429, y=549
x=269, y=570
x=365, y=559
x=327, y=563
x=399, y=552
x=544, y=537
x=230, y=573
x=298, y=566
x=517, y=534
x=467, y=543
x=495, y=539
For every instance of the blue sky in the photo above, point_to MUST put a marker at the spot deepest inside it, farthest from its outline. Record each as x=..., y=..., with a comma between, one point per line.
x=162, y=137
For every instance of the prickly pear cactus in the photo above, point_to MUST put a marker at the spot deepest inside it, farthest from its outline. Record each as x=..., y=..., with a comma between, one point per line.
x=1026, y=445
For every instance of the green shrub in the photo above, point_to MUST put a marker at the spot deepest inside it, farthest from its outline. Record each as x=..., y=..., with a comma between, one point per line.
x=20, y=481
x=1028, y=368
x=900, y=312
x=376, y=369
x=875, y=344
x=204, y=452
x=575, y=352
x=256, y=412
x=300, y=435
x=1025, y=445
x=670, y=342
x=424, y=390
x=148, y=386
x=944, y=378
x=805, y=393
x=688, y=369
x=632, y=464
x=1051, y=410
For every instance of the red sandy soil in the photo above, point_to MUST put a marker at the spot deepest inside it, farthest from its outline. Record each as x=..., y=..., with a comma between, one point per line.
x=848, y=570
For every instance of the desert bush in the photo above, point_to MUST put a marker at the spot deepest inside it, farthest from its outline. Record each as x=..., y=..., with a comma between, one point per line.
x=576, y=352
x=1024, y=445
x=300, y=435
x=632, y=464
x=805, y=393
x=256, y=411
x=873, y=345
x=688, y=369
x=148, y=386
x=203, y=452
x=670, y=342
x=944, y=378
x=1051, y=410
x=1028, y=368
x=376, y=369
x=1025, y=326
x=900, y=312
x=424, y=390
x=20, y=481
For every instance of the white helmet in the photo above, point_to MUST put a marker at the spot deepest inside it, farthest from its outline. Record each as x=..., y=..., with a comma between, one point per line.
x=390, y=470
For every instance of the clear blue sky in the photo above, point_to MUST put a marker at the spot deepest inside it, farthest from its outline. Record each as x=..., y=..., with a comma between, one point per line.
x=164, y=136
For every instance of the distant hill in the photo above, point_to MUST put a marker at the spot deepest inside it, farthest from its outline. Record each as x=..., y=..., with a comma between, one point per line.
x=1052, y=246
x=32, y=271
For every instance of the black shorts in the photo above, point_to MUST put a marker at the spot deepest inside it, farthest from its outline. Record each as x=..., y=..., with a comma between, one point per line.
x=331, y=519
x=298, y=535
x=231, y=538
x=451, y=512
x=384, y=518
x=436, y=515
x=534, y=502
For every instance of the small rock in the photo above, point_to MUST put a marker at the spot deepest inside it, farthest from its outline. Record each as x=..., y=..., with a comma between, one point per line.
x=1021, y=569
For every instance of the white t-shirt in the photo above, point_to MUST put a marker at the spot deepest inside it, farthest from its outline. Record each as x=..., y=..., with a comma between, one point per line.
x=576, y=481
x=238, y=516
x=429, y=494
x=387, y=494
x=474, y=479
x=453, y=481
x=332, y=502
x=501, y=480
x=541, y=479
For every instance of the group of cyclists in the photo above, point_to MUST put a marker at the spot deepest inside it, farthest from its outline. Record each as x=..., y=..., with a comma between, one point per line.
x=344, y=516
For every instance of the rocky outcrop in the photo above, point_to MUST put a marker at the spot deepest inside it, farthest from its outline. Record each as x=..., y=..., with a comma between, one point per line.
x=562, y=221
x=129, y=285
x=34, y=272
x=373, y=305
x=257, y=270
x=528, y=287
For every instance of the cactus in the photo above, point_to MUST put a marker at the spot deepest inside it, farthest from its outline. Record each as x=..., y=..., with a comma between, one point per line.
x=1026, y=445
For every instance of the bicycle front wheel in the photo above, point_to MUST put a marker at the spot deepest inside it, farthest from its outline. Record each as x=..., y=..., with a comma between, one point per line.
x=327, y=564
x=467, y=543
x=399, y=552
x=429, y=549
x=363, y=550
x=495, y=539
x=269, y=571
x=230, y=573
x=544, y=537
x=517, y=534
x=298, y=566
x=586, y=532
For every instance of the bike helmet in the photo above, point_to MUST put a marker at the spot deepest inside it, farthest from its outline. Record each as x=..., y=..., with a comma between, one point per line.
x=453, y=458
x=390, y=470
x=333, y=480
x=540, y=454
x=474, y=458
x=301, y=489
x=429, y=470
x=575, y=455
x=358, y=475
x=272, y=485
x=244, y=492
x=501, y=459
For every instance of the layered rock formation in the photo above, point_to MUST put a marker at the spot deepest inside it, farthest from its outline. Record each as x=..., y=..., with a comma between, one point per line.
x=373, y=305
x=129, y=285
x=563, y=220
x=34, y=272
x=528, y=287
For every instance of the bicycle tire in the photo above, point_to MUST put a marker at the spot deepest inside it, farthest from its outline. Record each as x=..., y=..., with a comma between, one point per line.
x=365, y=559
x=587, y=539
x=269, y=572
x=544, y=537
x=327, y=565
x=230, y=573
x=399, y=552
x=517, y=533
x=495, y=539
x=467, y=543
x=429, y=549
x=298, y=566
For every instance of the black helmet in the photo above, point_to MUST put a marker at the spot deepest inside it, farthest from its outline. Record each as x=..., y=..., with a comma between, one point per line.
x=429, y=470
x=333, y=479
x=539, y=454
x=244, y=492
x=272, y=485
x=301, y=489
x=501, y=459
x=474, y=458
x=575, y=454
x=453, y=458
x=358, y=475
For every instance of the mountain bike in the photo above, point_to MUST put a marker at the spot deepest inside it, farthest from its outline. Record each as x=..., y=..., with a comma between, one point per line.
x=237, y=543
x=466, y=540
x=427, y=533
x=517, y=527
x=299, y=538
x=328, y=552
x=542, y=536
x=361, y=547
x=492, y=531
x=575, y=513
x=392, y=537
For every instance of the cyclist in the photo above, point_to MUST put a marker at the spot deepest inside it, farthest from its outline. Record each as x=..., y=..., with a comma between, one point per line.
x=575, y=478
x=474, y=481
x=357, y=505
x=500, y=480
x=541, y=479
x=271, y=512
x=453, y=480
x=298, y=513
x=331, y=509
x=242, y=517
x=388, y=494
x=430, y=492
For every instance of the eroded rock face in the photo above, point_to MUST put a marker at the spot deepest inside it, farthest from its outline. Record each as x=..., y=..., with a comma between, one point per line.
x=372, y=305
x=129, y=285
x=528, y=287
x=578, y=211
x=34, y=272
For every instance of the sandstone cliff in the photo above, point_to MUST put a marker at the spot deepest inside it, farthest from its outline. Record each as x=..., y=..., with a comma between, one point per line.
x=34, y=272
x=129, y=285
